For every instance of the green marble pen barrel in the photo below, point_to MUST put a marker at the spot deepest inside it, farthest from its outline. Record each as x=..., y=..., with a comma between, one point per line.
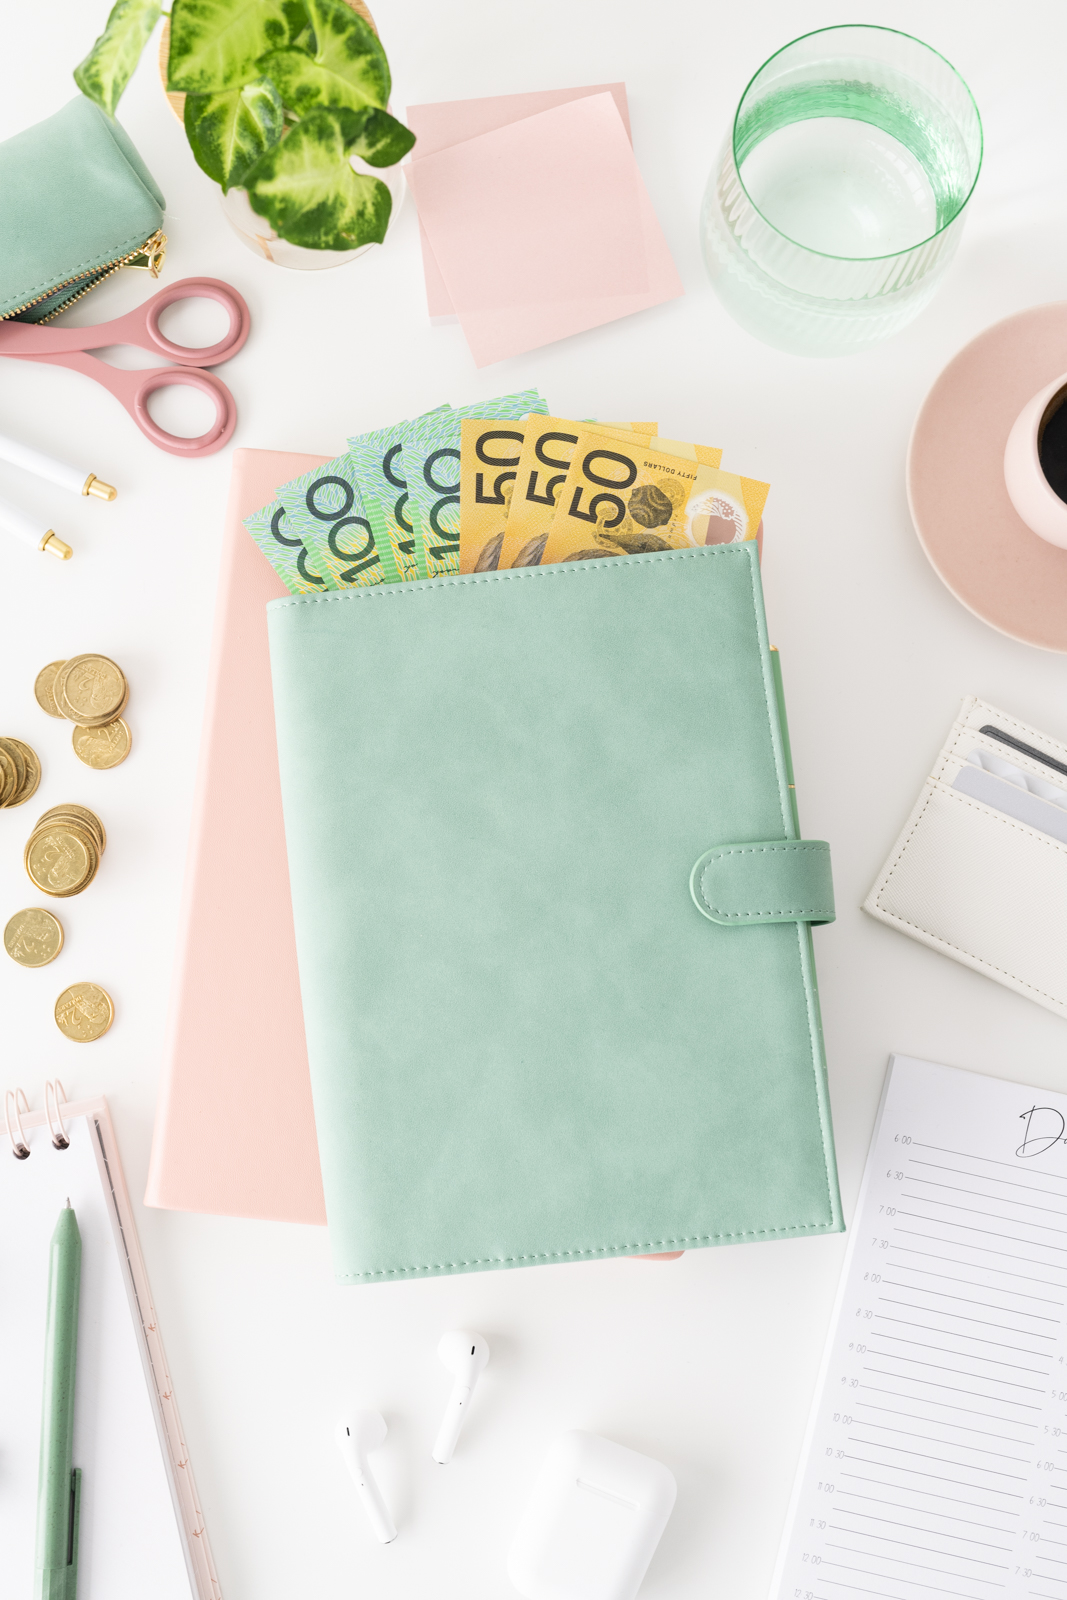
x=58, y=1485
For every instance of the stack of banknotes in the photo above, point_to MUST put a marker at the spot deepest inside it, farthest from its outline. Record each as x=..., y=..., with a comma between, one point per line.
x=494, y=485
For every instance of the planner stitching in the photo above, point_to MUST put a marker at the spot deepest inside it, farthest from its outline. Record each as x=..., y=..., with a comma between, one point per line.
x=997, y=816
x=410, y=592
x=764, y=849
x=592, y=1250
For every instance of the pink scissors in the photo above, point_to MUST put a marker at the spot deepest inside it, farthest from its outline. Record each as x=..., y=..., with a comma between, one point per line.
x=67, y=347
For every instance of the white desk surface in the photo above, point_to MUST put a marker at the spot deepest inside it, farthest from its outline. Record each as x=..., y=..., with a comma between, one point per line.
x=708, y=1363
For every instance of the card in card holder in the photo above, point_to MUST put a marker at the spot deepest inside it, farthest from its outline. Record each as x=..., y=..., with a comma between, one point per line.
x=1027, y=750
x=1013, y=801
x=979, y=871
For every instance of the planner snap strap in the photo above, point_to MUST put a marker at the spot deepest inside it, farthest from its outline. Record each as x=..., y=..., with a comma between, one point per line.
x=773, y=880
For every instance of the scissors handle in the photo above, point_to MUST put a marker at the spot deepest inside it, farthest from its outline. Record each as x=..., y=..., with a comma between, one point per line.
x=139, y=327
x=132, y=390
x=146, y=319
x=164, y=377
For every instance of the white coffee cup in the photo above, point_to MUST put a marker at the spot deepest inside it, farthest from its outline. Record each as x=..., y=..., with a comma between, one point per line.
x=1029, y=490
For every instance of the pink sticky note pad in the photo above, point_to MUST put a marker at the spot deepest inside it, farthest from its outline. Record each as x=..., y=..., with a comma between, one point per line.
x=538, y=211
x=442, y=123
x=569, y=241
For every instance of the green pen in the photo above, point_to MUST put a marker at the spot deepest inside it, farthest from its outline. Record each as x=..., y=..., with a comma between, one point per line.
x=58, y=1483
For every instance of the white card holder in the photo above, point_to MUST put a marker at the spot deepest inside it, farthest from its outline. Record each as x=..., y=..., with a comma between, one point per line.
x=986, y=888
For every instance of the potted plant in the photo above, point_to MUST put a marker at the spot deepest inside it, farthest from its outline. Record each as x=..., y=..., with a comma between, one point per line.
x=280, y=97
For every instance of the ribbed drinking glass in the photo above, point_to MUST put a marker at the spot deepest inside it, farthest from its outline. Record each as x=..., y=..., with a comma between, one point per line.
x=840, y=194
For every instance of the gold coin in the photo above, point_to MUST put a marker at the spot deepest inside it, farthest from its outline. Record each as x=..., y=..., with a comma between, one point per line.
x=33, y=772
x=69, y=818
x=91, y=690
x=9, y=778
x=102, y=747
x=44, y=686
x=61, y=859
x=84, y=1012
x=81, y=816
x=33, y=937
x=18, y=761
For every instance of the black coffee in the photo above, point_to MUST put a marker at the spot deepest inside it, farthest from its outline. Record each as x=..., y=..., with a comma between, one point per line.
x=1052, y=444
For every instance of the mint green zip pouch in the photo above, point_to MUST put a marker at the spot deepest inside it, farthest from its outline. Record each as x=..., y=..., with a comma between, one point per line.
x=76, y=204
x=553, y=918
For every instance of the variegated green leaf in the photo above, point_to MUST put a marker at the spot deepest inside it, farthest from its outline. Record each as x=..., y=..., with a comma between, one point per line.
x=229, y=132
x=215, y=44
x=309, y=193
x=382, y=141
x=343, y=66
x=107, y=69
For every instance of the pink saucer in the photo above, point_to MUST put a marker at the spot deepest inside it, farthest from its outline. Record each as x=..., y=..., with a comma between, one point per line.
x=968, y=527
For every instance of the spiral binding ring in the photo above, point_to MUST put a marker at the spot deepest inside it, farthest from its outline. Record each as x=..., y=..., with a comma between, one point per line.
x=55, y=1097
x=15, y=1101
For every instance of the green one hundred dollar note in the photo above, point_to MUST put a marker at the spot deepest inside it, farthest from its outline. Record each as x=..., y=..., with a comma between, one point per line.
x=325, y=507
x=377, y=458
x=432, y=452
x=285, y=550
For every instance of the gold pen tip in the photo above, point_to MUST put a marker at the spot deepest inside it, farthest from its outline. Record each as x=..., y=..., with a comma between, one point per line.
x=96, y=486
x=55, y=546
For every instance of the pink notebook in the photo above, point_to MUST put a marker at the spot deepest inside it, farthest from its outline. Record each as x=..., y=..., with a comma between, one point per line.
x=235, y=1132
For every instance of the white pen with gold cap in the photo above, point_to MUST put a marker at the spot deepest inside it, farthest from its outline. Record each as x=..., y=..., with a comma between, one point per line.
x=43, y=466
x=31, y=532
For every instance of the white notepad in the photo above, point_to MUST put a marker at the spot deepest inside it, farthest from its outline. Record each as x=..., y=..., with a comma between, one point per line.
x=141, y=1533
x=935, y=1464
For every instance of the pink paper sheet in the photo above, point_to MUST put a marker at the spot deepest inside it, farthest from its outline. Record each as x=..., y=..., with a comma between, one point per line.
x=569, y=241
x=441, y=123
x=536, y=211
x=235, y=1129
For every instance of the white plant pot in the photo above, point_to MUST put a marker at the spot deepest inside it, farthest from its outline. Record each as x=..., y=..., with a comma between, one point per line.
x=256, y=232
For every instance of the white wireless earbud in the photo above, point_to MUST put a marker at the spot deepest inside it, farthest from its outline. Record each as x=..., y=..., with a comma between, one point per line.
x=356, y=1437
x=465, y=1355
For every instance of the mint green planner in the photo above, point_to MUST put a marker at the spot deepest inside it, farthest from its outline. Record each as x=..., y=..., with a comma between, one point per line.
x=553, y=918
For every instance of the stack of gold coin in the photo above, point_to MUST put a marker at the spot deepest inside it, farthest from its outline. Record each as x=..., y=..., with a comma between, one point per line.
x=63, y=851
x=90, y=691
x=20, y=772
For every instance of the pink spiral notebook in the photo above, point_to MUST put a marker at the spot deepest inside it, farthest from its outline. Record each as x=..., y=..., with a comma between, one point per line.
x=235, y=1131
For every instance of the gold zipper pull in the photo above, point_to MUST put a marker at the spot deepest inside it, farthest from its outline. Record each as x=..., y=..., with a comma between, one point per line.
x=151, y=255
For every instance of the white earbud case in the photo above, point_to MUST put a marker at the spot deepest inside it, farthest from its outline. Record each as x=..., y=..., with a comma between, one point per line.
x=593, y=1522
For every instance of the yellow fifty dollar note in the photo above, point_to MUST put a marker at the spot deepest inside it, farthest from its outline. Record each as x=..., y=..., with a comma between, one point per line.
x=549, y=446
x=488, y=460
x=723, y=508
x=619, y=500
